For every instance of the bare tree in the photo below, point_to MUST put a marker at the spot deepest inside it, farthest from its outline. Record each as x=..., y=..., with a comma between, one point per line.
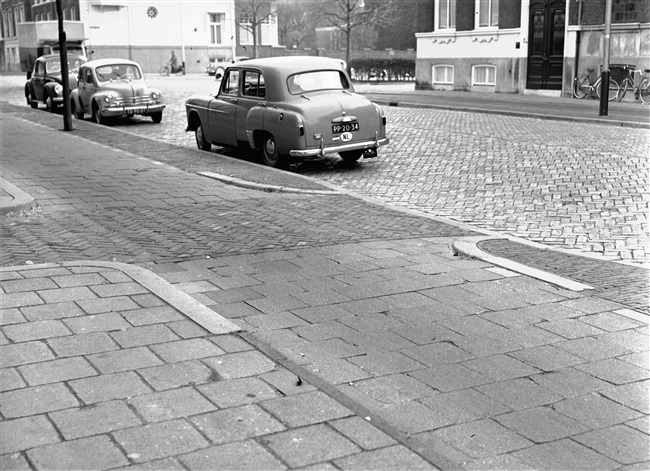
x=297, y=21
x=252, y=14
x=349, y=15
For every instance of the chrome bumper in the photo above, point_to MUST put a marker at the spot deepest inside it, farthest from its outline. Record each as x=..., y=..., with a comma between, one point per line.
x=125, y=110
x=322, y=150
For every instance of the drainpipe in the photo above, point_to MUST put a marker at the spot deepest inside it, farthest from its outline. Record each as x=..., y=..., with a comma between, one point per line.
x=578, y=38
x=604, y=94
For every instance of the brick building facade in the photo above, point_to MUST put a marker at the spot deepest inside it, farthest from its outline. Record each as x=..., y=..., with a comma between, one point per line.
x=526, y=46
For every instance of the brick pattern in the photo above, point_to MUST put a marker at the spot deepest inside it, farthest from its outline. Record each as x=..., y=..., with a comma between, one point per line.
x=90, y=390
x=619, y=283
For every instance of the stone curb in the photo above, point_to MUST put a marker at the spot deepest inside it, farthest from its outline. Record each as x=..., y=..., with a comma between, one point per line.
x=573, y=119
x=183, y=302
x=468, y=246
x=264, y=187
x=20, y=199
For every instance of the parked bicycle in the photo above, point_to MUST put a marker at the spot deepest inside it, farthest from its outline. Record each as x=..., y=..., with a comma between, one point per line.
x=167, y=69
x=638, y=81
x=584, y=86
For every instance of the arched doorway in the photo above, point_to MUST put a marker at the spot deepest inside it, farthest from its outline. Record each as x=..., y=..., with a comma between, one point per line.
x=546, y=44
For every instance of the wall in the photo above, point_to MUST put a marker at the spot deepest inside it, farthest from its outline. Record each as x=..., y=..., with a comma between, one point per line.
x=126, y=29
x=463, y=50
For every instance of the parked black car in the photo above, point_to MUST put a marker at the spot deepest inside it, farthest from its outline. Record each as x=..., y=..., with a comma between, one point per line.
x=44, y=81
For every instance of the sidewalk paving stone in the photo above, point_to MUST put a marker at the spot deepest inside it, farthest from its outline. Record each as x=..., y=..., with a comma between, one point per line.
x=97, y=452
x=619, y=443
x=309, y=445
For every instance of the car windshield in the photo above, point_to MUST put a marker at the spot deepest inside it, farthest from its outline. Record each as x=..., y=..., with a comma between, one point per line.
x=317, y=80
x=54, y=67
x=113, y=72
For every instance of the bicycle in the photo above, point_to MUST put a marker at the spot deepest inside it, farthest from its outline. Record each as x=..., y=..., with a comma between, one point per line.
x=583, y=86
x=167, y=69
x=642, y=90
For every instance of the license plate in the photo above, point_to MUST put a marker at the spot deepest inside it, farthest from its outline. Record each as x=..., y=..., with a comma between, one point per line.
x=345, y=127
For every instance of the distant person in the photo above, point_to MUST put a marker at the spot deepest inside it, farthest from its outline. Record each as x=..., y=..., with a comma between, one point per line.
x=173, y=63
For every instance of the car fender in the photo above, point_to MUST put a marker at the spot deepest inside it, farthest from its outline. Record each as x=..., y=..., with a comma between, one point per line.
x=286, y=126
x=76, y=101
x=99, y=99
x=48, y=90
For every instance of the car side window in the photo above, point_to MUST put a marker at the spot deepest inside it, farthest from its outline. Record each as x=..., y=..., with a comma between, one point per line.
x=88, y=76
x=230, y=83
x=254, y=85
x=40, y=68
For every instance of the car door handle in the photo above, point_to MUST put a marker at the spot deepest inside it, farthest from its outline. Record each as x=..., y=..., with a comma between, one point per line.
x=234, y=100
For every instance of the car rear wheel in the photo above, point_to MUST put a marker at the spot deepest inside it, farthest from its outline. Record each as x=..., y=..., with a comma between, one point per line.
x=96, y=116
x=270, y=154
x=201, y=142
x=156, y=117
x=351, y=156
x=77, y=114
x=30, y=100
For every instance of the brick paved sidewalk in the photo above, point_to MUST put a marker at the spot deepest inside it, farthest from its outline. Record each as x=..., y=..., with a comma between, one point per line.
x=360, y=347
x=99, y=371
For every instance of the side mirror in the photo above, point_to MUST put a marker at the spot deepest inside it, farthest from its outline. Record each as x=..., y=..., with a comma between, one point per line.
x=217, y=76
x=29, y=74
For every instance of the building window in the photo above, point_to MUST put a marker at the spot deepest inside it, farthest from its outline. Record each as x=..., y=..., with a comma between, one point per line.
x=443, y=74
x=73, y=14
x=5, y=24
x=625, y=10
x=245, y=30
x=445, y=14
x=216, y=24
x=484, y=75
x=487, y=12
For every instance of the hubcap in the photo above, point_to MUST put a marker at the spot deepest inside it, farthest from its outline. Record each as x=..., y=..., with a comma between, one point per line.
x=270, y=147
x=199, y=136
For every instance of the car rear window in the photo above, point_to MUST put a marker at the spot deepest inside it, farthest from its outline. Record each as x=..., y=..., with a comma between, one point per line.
x=317, y=80
x=54, y=66
x=113, y=72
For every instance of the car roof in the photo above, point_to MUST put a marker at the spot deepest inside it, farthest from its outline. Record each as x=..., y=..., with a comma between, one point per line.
x=109, y=61
x=293, y=64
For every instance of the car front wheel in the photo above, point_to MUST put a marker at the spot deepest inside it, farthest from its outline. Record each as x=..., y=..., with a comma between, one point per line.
x=49, y=104
x=156, y=117
x=201, y=142
x=96, y=116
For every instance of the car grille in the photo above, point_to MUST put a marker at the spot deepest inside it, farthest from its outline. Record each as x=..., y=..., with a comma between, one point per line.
x=133, y=101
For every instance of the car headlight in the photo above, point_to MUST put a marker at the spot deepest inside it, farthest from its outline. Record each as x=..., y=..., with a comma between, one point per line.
x=156, y=95
x=109, y=99
x=58, y=89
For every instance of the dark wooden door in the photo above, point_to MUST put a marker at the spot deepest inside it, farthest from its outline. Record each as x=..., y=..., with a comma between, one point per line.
x=546, y=44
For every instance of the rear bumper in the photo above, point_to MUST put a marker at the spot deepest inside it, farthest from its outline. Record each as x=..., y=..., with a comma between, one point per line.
x=127, y=110
x=322, y=150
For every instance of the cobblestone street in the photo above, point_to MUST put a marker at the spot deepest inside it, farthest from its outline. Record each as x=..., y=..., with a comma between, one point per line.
x=569, y=185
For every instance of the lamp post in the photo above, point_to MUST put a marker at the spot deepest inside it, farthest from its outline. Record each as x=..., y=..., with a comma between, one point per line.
x=65, y=81
x=604, y=76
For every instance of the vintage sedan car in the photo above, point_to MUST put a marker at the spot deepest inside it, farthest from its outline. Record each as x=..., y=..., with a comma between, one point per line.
x=45, y=82
x=288, y=108
x=110, y=88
